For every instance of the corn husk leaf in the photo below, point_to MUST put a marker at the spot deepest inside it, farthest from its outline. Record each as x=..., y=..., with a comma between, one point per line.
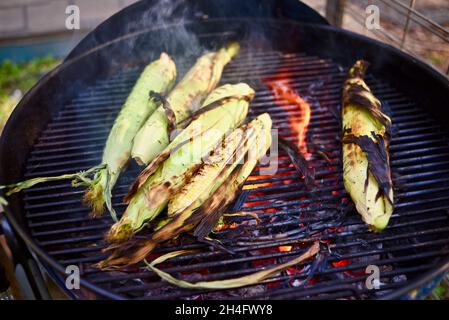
x=168, y=111
x=3, y=201
x=243, y=214
x=78, y=179
x=299, y=162
x=251, y=279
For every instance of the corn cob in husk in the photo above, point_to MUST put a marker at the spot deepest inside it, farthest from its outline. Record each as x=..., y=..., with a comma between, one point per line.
x=168, y=172
x=201, y=202
x=185, y=98
x=159, y=76
x=366, y=168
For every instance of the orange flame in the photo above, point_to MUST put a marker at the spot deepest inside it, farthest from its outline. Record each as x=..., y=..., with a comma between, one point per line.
x=282, y=90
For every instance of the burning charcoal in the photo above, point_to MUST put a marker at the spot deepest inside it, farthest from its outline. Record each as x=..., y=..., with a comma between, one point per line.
x=162, y=290
x=252, y=291
x=246, y=292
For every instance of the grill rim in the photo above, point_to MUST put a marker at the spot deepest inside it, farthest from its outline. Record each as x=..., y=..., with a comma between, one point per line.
x=285, y=9
x=25, y=103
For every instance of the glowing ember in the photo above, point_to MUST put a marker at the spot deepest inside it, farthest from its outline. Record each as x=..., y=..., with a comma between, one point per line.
x=256, y=185
x=340, y=263
x=285, y=248
x=225, y=226
x=282, y=91
x=344, y=263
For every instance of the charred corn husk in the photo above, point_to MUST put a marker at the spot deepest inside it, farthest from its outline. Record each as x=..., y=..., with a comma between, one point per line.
x=168, y=172
x=185, y=98
x=202, y=201
x=159, y=76
x=366, y=168
x=246, y=280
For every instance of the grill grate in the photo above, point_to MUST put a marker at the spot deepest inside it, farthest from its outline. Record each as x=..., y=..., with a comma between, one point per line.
x=413, y=242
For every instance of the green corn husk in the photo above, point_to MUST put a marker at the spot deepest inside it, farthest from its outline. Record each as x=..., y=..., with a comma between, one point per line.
x=366, y=169
x=167, y=173
x=185, y=98
x=159, y=76
x=78, y=179
x=206, y=196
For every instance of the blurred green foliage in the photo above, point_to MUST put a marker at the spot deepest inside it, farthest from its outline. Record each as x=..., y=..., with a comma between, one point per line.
x=436, y=58
x=19, y=76
x=442, y=291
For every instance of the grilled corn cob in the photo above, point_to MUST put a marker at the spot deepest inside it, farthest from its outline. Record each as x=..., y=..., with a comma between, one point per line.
x=202, y=201
x=168, y=172
x=159, y=76
x=185, y=98
x=366, y=169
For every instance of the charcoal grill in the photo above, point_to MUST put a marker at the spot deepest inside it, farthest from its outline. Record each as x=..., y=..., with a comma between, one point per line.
x=61, y=126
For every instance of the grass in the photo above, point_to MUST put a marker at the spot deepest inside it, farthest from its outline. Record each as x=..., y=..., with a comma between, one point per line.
x=16, y=79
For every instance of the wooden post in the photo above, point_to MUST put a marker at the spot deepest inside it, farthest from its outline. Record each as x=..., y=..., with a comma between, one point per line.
x=334, y=11
x=407, y=23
